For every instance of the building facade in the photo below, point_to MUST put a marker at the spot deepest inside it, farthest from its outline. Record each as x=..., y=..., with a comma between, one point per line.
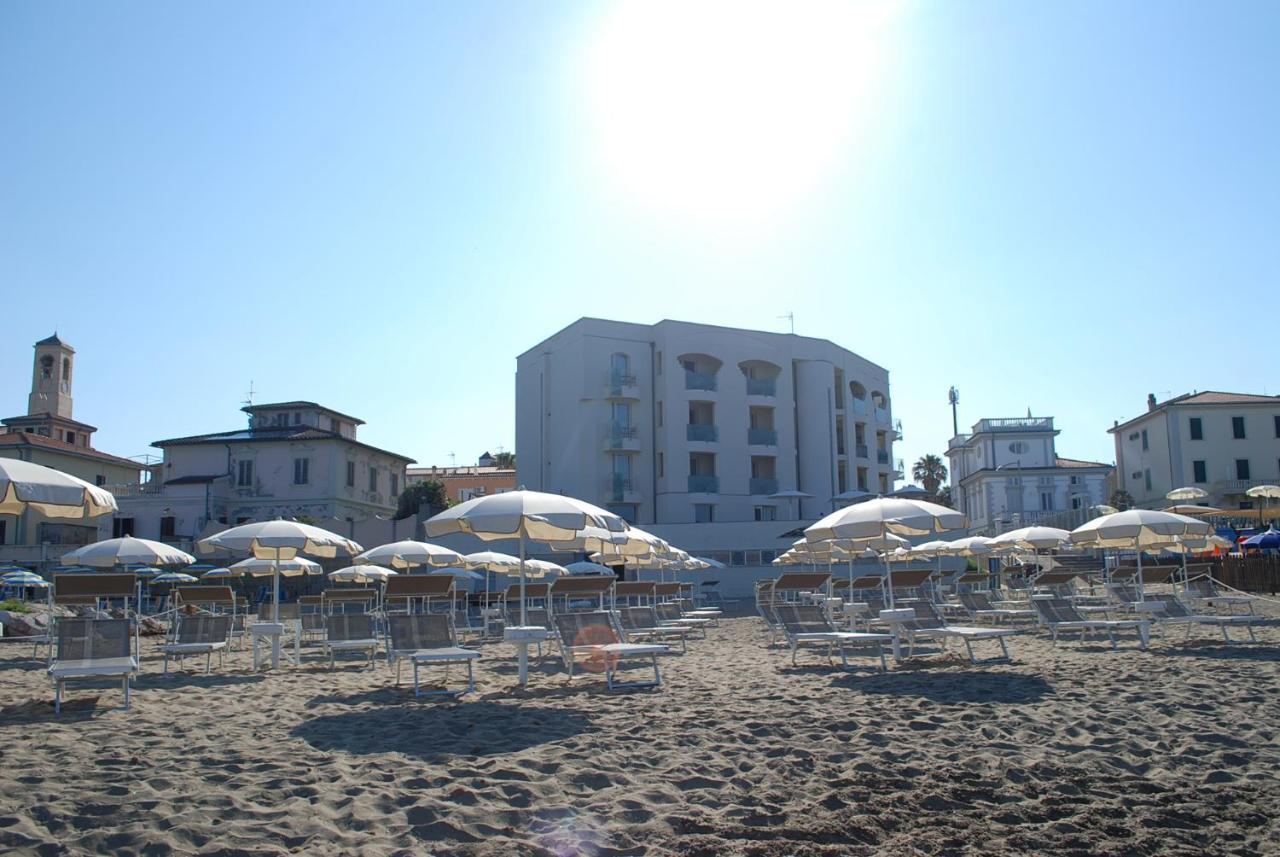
x=48, y=434
x=293, y=460
x=1006, y=473
x=462, y=483
x=678, y=423
x=1223, y=443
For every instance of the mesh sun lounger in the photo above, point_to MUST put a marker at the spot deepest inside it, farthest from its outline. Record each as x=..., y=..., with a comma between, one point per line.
x=668, y=613
x=591, y=637
x=641, y=623
x=1058, y=614
x=428, y=638
x=1174, y=612
x=928, y=623
x=689, y=611
x=808, y=625
x=350, y=632
x=199, y=634
x=978, y=605
x=1206, y=591
x=92, y=649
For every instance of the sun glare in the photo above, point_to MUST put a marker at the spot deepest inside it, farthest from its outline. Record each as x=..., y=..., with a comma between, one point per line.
x=730, y=111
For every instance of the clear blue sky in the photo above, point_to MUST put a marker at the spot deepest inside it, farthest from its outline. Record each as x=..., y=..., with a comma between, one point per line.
x=1060, y=207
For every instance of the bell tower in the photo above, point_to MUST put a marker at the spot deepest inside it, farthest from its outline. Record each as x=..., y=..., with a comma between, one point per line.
x=51, y=378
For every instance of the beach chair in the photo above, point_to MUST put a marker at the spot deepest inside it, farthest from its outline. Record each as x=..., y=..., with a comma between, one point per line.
x=929, y=623
x=1205, y=590
x=1174, y=612
x=591, y=637
x=807, y=625
x=198, y=634
x=350, y=632
x=690, y=611
x=428, y=638
x=1058, y=614
x=641, y=623
x=93, y=649
x=978, y=605
x=669, y=613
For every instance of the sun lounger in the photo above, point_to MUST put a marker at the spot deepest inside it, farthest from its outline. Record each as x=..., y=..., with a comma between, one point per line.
x=978, y=605
x=350, y=632
x=1205, y=590
x=808, y=625
x=689, y=611
x=929, y=623
x=198, y=634
x=591, y=637
x=641, y=623
x=428, y=638
x=92, y=649
x=1058, y=614
x=1171, y=611
x=668, y=613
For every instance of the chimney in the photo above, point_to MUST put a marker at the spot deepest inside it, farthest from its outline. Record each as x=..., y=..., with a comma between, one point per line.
x=1151, y=401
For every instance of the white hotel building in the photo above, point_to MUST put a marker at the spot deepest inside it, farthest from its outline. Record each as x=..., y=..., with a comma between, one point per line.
x=677, y=424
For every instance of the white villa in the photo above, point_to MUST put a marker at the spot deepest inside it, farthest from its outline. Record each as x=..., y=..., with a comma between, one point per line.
x=1007, y=473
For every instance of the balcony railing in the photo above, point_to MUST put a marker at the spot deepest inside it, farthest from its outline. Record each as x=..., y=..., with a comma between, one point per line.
x=134, y=489
x=1016, y=424
x=762, y=437
x=762, y=386
x=699, y=381
x=618, y=383
x=621, y=436
x=882, y=416
x=1238, y=486
x=702, y=433
x=704, y=484
x=764, y=485
x=860, y=449
x=619, y=487
x=882, y=456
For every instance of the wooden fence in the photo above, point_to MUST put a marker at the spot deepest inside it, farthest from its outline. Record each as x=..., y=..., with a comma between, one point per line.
x=1250, y=574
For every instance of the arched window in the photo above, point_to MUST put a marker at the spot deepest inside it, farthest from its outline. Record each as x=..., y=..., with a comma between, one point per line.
x=46, y=366
x=66, y=370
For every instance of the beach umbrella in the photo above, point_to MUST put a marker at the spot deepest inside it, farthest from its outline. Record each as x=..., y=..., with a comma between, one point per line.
x=1189, y=509
x=279, y=540
x=499, y=563
x=294, y=567
x=174, y=577
x=968, y=546
x=1268, y=540
x=362, y=573
x=1032, y=538
x=1138, y=529
x=1264, y=493
x=22, y=578
x=1188, y=493
x=914, y=492
x=584, y=567
x=853, y=495
x=791, y=494
x=220, y=573
x=25, y=485
x=410, y=554
x=127, y=550
x=874, y=518
x=541, y=568
x=710, y=563
x=1104, y=509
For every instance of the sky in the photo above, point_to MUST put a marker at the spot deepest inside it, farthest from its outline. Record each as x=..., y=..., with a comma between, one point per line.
x=1054, y=207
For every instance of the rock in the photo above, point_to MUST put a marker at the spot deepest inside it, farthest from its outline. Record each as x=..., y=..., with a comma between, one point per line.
x=24, y=624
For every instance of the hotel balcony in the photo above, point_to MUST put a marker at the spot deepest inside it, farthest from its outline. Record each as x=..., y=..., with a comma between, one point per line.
x=882, y=456
x=622, y=386
x=621, y=490
x=763, y=485
x=704, y=484
x=859, y=405
x=702, y=433
x=699, y=381
x=1239, y=486
x=860, y=449
x=882, y=416
x=622, y=438
x=762, y=437
x=762, y=387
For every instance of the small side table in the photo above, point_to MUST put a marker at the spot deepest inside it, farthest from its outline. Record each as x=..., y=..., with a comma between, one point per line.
x=895, y=618
x=524, y=636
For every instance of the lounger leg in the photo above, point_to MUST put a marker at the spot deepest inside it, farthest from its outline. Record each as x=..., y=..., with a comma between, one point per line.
x=1004, y=648
x=657, y=673
x=1143, y=635
x=208, y=662
x=969, y=648
x=1252, y=636
x=471, y=676
x=416, y=691
x=57, y=696
x=126, y=693
x=165, y=671
x=884, y=666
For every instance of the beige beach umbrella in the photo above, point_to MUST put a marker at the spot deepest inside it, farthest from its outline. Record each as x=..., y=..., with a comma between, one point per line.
x=127, y=550
x=25, y=485
x=1189, y=492
x=1189, y=509
x=362, y=573
x=410, y=554
x=1032, y=538
x=1265, y=493
x=874, y=518
x=294, y=567
x=1138, y=529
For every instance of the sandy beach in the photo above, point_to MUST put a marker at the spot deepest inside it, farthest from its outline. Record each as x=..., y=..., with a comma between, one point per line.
x=1074, y=750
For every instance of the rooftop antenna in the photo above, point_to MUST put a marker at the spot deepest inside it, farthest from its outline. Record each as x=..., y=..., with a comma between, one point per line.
x=790, y=317
x=453, y=459
x=248, y=399
x=953, y=396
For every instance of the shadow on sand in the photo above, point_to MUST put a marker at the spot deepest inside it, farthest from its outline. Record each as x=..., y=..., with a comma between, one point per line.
x=435, y=732
x=1237, y=651
x=959, y=686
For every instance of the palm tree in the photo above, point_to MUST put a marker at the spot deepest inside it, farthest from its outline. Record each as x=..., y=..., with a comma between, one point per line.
x=505, y=460
x=930, y=472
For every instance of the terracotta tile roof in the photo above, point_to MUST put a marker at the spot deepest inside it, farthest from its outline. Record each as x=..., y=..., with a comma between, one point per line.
x=22, y=438
x=1076, y=462
x=1214, y=397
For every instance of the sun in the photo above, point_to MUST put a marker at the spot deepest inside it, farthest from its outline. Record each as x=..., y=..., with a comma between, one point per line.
x=730, y=111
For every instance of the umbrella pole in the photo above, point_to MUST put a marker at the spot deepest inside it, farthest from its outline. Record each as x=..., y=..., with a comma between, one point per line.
x=524, y=615
x=275, y=589
x=888, y=579
x=1141, y=595
x=849, y=603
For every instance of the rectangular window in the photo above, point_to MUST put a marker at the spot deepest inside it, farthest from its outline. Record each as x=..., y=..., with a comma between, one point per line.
x=1146, y=479
x=1198, y=473
x=301, y=471
x=168, y=526
x=297, y=418
x=1277, y=419
x=1046, y=501
x=659, y=414
x=1237, y=428
x=1242, y=468
x=351, y=474
x=121, y=527
x=766, y=513
x=395, y=484
x=1144, y=440
x=1197, y=428
x=99, y=480
x=658, y=361
x=704, y=513
x=661, y=464
x=373, y=478
x=244, y=474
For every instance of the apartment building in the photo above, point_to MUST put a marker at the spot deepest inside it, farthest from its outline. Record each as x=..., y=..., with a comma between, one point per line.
x=1006, y=473
x=679, y=423
x=1224, y=443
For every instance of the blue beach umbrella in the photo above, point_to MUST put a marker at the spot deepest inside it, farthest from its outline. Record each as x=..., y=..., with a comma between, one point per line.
x=1269, y=540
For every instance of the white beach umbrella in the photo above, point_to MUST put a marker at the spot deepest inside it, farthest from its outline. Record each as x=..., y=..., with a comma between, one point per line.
x=295, y=567
x=586, y=568
x=523, y=515
x=1033, y=538
x=279, y=540
x=410, y=554
x=128, y=550
x=25, y=485
x=882, y=515
x=1188, y=509
x=709, y=562
x=174, y=577
x=1189, y=492
x=221, y=574
x=500, y=563
x=1264, y=493
x=1138, y=529
x=968, y=546
x=362, y=573
x=541, y=568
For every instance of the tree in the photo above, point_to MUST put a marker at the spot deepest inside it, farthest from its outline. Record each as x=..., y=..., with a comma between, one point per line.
x=505, y=460
x=930, y=472
x=1121, y=499
x=943, y=497
x=429, y=495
